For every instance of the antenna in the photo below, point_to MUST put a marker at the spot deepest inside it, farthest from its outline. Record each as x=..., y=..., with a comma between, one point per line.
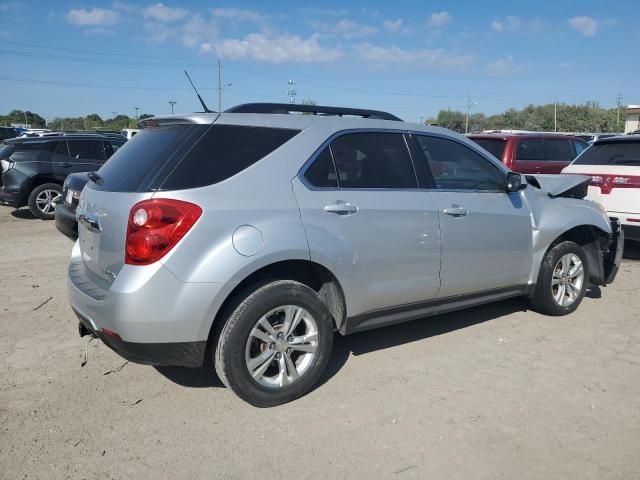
x=204, y=105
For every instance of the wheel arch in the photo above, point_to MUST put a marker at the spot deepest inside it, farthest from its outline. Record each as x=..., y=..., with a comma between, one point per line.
x=309, y=273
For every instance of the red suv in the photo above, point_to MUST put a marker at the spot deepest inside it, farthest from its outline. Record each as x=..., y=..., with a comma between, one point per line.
x=532, y=152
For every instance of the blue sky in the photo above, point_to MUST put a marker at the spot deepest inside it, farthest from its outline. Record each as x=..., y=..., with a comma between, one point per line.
x=411, y=58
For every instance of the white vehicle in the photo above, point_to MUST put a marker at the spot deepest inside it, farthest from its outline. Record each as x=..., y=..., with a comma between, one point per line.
x=614, y=166
x=129, y=132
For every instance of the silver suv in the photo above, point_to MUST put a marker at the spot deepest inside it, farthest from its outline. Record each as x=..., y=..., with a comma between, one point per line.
x=248, y=238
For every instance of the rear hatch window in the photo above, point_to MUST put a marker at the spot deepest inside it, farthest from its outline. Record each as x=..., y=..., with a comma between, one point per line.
x=187, y=156
x=611, y=153
x=494, y=146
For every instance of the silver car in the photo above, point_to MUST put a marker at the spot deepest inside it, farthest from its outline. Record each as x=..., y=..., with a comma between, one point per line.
x=249, y=238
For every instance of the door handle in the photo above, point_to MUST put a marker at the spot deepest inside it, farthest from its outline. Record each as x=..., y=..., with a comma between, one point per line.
x=341, y=208
x=456, y=211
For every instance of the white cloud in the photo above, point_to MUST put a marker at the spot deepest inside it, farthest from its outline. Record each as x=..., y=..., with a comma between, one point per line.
x=587, y=26
x=392, y=26
x=509, y=24
x=345, y=28
x=93, y=17
x=190, y=33
x=238, y=14
x=503, y=66
x=274, y=49
x=426, y=58
x=439, y=19
x=161, y=13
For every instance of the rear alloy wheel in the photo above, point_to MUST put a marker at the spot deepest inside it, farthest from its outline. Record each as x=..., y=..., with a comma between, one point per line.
x=562, y=280
x=42, y=200
x=275, y=345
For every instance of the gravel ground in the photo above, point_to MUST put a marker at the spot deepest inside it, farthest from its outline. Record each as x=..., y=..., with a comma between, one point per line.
x=493, y=392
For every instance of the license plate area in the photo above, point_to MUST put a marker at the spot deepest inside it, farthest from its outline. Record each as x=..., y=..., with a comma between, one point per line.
x=89, y=245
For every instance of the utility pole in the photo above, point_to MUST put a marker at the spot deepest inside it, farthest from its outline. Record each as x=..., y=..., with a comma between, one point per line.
x=618, y=102
x=555, y=115
x=219, y=86
x=136, y=109
x=421, y=122
x=292, y=91
x=172, y=103
x=469, y=104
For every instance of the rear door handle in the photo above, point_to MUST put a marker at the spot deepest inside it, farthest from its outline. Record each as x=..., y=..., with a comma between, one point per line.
x=341, y=208
x=456, y=211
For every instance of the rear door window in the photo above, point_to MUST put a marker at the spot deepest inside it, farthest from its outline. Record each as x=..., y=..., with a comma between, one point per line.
x=530, y=149
x=373, y=160
x=322, y=172
x=62, y=149
x=222, y=152
x=86, y=150
x=111, y=147
x=580, y=146
x=558, y=149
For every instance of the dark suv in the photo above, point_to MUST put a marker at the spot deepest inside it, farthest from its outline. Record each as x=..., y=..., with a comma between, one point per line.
x=33, y=169
x=532, y=152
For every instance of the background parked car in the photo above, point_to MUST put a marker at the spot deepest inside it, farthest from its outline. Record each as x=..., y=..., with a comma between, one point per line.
x=614, y=167
x=33, y=169
x=66, y=205
x=532, y=153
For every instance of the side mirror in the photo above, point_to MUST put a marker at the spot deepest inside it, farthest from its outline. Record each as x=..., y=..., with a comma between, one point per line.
x=514, y=182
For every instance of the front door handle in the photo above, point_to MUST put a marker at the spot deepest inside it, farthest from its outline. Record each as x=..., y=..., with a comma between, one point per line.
x=456, y=211
x=341, y=208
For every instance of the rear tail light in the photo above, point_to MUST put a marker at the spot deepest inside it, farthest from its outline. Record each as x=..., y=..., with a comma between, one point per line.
x=155, y=227
x=6, y=165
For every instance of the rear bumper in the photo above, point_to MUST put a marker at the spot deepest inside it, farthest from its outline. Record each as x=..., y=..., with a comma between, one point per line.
x=158, y=319
x=631, y=232
x=179, y=354
x=66, y=220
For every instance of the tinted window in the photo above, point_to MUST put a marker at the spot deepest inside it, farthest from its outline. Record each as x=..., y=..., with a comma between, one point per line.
x=223, y=151
x=580, y=147
x=615, y=153
x=558, y=149
x=61, y=149
x=86, y=149
x=494, y=146
x=373, y=160
x=111, y=147
x=322, y=172
x=530, y=149
x=457, y=167
x=45, y=146
x=139, y=160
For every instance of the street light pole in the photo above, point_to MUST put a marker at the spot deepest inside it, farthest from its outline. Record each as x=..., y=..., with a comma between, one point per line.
x=172, y=103
x=136, y=109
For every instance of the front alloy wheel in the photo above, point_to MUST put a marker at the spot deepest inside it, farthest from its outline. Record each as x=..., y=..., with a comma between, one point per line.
x=568, y=277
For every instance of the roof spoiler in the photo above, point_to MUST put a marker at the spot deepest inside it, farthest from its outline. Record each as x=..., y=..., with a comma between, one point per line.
x=311, y=109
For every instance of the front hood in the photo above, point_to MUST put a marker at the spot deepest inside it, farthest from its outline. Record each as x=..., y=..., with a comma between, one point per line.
x=561, y=185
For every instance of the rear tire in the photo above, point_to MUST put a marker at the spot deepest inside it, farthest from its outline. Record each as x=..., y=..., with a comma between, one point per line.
x=42, y=198
x=275, y=345
x=562, y=280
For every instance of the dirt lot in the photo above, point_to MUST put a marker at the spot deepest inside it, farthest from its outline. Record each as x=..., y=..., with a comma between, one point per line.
x=495, y=392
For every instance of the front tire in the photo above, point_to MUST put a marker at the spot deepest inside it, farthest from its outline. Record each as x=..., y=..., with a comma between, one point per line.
x=42, y=200
x=275, y=345
x=562, y=281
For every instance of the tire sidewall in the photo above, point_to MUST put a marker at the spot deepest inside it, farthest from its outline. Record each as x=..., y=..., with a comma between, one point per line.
x=33, y=207
x=543, y=297
x=230, y=353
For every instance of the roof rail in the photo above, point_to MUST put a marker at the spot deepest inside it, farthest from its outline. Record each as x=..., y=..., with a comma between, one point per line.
x=311, y=109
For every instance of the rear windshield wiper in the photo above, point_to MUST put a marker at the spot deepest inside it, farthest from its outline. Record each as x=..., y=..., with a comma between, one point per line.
x=95, y=178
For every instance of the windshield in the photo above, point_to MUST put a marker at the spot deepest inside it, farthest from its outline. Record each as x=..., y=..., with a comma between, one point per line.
x=495, y=146
x=614, y=153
